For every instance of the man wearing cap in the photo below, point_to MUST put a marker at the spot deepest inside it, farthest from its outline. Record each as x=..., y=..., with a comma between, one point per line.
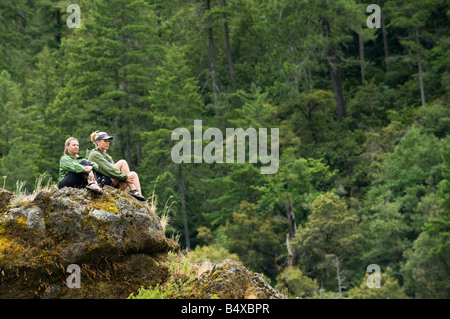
x=113, y=174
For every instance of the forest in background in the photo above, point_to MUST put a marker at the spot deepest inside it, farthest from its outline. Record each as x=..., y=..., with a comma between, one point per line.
x=363, y=116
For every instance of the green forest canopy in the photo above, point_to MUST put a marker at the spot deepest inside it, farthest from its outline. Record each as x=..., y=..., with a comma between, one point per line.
x=363, y=116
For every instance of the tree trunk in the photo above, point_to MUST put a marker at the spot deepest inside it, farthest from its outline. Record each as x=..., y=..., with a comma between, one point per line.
x=337, y=88
x=422, y=88
x=385, y=44
x=338, y=94
x=183, y=209
x=292, y=254
x=128, y=146
x=212, y=58
x=228, y=46
x=362, y=61
x=124, y=87
x=419, y=66
x=138, y=155
x=337, y=263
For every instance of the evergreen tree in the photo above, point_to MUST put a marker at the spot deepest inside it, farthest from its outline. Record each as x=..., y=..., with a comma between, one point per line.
x=427, y=266
x=331, y=231
x=19, y=159
x=414, y=17
x=362, y=114
x=308, y=37
x=110, y=67
x=255, y=239
x=14, y=17
x=174, y=103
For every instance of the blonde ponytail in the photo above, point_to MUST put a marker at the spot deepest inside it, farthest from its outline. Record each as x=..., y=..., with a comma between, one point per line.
x=94, y=136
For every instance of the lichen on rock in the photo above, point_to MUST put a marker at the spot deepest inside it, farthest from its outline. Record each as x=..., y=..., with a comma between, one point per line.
x=58, y=227
x=231, y=280
x=117, y=242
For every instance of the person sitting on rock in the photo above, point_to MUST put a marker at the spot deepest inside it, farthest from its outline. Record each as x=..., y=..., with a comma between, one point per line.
x=75, y=171
x=113, y=174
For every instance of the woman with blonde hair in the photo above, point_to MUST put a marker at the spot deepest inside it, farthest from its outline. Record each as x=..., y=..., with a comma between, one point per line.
x=115, y=174
x=75, y=171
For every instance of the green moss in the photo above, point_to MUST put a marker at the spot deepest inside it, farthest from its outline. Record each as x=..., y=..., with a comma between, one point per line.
x=33, y=261
x=9, y=248
x=28, y=265
x=105, y=203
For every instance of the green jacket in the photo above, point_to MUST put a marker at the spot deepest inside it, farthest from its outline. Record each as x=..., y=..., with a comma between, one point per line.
x=105, y=164
x=68, y=163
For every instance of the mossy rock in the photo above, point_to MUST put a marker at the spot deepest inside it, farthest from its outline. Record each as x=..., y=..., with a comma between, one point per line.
x=231, y=280
x=117, y=243
x=103, y=234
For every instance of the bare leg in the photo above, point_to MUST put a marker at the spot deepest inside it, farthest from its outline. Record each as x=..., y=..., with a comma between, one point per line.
x=137, y=183
x=92, y=183
x=123, y=166
x=91, y=178
x=134, y=184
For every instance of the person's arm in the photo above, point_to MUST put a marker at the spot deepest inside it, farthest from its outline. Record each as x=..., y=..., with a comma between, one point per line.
x=105, y=167
x=94, y=165
x=70, y=165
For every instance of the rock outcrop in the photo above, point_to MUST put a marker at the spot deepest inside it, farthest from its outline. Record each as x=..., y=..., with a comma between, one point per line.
x=231, y=280
x=115, y=241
